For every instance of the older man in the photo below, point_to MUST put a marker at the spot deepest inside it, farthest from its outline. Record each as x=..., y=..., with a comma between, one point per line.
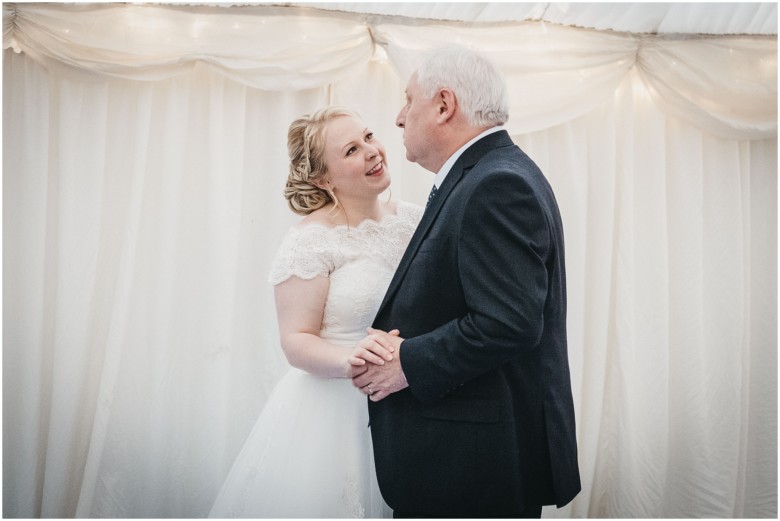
x=475, y=416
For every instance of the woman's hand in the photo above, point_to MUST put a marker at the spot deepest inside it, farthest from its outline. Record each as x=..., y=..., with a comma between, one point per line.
x=372, y=349
x=380, y=381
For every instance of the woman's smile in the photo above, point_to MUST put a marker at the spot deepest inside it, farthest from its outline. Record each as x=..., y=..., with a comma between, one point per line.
x=377, y=170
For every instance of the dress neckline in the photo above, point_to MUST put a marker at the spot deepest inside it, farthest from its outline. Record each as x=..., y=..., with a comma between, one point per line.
x=400, y=206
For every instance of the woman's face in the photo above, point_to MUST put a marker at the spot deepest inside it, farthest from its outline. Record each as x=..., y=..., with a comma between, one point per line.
x=355, y=160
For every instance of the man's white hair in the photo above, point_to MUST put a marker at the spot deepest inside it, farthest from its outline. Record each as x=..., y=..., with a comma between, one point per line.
x=480, y=89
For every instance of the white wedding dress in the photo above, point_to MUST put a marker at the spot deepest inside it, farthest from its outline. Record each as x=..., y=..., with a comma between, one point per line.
x=309, y=455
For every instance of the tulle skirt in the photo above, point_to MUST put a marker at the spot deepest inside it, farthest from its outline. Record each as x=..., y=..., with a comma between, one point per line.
x=308, y=456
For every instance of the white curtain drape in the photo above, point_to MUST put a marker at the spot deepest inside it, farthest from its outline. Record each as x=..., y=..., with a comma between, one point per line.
x=144, y=157
x=634, y=17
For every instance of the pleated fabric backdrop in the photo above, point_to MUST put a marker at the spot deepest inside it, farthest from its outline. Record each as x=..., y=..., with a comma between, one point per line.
x=144, y=159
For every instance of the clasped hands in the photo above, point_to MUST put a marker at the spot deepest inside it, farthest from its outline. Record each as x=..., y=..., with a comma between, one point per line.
x=375, y=366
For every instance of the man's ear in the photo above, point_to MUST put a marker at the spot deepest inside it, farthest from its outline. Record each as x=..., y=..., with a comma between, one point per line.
x=447, y=104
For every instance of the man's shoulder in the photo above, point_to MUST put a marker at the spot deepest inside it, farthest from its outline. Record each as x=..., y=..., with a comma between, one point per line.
x=494, y=141
x=505, y=160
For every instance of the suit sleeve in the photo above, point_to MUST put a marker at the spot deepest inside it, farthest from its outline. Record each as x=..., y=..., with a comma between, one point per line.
x=503, y=243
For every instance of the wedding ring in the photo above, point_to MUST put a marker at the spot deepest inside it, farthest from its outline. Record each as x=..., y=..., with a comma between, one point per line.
x=369, y=389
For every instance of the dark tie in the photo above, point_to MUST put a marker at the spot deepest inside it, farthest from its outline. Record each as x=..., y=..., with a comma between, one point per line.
x=430, y=195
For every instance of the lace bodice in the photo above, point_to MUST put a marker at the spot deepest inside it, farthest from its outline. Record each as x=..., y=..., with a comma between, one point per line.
x=359, y=261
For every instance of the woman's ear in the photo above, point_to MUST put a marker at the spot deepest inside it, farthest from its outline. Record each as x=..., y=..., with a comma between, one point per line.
x=447, y=104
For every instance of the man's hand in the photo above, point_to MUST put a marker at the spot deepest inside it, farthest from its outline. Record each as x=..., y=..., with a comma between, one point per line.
x=380, y=381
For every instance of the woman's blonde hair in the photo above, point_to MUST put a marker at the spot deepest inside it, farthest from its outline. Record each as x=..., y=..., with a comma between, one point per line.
x=305, y=189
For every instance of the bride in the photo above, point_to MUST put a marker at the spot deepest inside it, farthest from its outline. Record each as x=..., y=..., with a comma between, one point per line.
x=309, y=454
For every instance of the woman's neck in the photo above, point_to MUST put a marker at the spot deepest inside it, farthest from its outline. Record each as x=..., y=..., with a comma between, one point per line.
x=353, y=213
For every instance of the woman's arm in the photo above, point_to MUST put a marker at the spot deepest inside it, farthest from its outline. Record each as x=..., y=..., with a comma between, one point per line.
x=300, y=305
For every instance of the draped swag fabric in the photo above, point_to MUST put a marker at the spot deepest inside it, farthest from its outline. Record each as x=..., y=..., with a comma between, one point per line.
x=144, y=157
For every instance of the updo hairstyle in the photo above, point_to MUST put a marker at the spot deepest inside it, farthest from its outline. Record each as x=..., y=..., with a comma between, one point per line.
x=306, y=148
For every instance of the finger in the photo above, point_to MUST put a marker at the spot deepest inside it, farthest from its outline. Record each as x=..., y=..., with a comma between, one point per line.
x=355, y=360
x=361, y=380
x=393, y=332
x=365, y=343
x=358, y=378
x=377, y=396
x=376, y=344
x=355, y=371
x=369, y=356
x=381, y=348
x=381, y=338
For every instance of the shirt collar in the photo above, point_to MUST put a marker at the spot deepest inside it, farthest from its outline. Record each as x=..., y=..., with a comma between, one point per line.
x=447, y=166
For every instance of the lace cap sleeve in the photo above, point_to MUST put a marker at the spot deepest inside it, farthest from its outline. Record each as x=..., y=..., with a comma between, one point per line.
x=306, y=253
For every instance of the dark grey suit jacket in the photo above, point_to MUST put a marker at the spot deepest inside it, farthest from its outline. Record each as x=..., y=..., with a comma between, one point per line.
x=487, y=424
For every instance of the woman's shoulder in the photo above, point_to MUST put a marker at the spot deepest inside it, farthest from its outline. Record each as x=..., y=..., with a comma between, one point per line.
x=320, y=218
x=409, y=211
x=307, y=250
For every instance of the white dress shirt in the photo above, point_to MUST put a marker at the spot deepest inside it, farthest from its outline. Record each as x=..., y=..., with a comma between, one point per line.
x=447, y=166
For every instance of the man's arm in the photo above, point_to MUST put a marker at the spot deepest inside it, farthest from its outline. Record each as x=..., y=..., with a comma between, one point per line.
x=502, y=248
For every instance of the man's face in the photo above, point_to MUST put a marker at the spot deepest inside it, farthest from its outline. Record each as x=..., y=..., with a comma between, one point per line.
x=418, y=119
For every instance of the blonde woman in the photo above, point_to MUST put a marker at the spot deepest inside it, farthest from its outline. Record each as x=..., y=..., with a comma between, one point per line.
x=309, y=454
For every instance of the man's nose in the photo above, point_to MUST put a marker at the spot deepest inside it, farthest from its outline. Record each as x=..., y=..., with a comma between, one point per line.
x=399, y=120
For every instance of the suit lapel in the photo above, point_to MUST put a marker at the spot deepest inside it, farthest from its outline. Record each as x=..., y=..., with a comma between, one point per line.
x=428, y=218
x=461, y=167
